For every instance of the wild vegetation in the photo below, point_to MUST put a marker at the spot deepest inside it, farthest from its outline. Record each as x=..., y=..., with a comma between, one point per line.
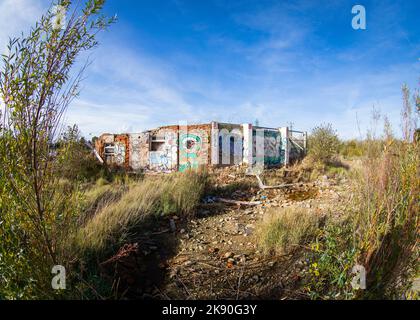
x=379, y=227
x=149, y=198
x=58, y=205
x=323, y=143
x=37, y=85
x=284, y=230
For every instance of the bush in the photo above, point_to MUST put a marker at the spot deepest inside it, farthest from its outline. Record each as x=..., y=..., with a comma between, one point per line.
x=76, y=161
x=284, y=229
x=382, y=225
x=323, y=143
x=351, y=149
x=312, y=169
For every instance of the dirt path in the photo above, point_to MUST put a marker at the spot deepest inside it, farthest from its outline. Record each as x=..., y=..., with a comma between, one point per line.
x=217, y=255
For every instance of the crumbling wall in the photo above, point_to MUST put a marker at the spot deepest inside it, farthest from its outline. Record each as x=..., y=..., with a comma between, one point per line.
x=272, y=148
x=267, y=147
x=104, y=145
x=298, y=141
x=172, y=148
x=163, y=154
x=101, y=141
x=122, y=150
x=139, y=150
x=114, y=149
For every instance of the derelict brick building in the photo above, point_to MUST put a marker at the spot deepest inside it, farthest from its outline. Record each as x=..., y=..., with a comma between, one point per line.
x=180, y=147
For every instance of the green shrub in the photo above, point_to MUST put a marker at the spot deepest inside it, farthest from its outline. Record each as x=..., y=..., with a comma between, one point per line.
x=351, y=149
x=312, y=169
x=323, y=143
x=75, y=160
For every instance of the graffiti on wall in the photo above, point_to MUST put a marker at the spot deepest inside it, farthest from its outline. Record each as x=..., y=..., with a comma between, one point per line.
x=190, y=146
x=283, y=150
x=165, y=157
x=136, y=142
x=119, y=153
x=267, y=147
x=272, y=147
x=160, y=161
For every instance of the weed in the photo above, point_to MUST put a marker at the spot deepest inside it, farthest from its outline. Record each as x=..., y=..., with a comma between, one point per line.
x=284, y=229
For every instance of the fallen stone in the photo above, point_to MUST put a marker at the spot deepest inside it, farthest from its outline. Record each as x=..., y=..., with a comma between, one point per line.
x=228, y=255
x=188, y=263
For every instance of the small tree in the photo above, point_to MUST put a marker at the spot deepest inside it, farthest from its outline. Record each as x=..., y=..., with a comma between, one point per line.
x=323, y=143
x=36, y=86
x=76, y=161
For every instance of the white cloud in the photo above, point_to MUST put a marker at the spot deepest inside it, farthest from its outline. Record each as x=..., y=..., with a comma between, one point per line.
x=277, y=80
x=18, y=16
x=129, y=90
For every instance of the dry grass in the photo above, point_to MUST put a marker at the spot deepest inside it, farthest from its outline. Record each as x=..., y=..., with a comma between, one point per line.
x=387, y=217
x=283, y=229
x=151, y=197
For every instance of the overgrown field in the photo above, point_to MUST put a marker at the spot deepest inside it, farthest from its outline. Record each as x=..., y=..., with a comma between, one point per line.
x=341, y=224
x=377, y=229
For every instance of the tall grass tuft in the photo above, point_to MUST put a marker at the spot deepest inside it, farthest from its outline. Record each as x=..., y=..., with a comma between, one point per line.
x=284, y=229
x=387, y=218
x=178, y=193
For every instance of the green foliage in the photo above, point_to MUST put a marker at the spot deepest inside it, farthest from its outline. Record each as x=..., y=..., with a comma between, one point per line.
x=37, y=210
x=387, y=220
x=330, y=260
x=15, y=267
x=336, y=171
x=75, y=160
x=312, y=170
x=382, y=226
x=323, y=143
x=351, y=149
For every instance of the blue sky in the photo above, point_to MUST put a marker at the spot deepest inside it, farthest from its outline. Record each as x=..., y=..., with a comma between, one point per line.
x=279, y=62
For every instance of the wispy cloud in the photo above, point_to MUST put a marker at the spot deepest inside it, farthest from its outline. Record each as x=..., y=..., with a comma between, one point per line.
x=17, y=16
x=129, y=90
x=275, y=62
